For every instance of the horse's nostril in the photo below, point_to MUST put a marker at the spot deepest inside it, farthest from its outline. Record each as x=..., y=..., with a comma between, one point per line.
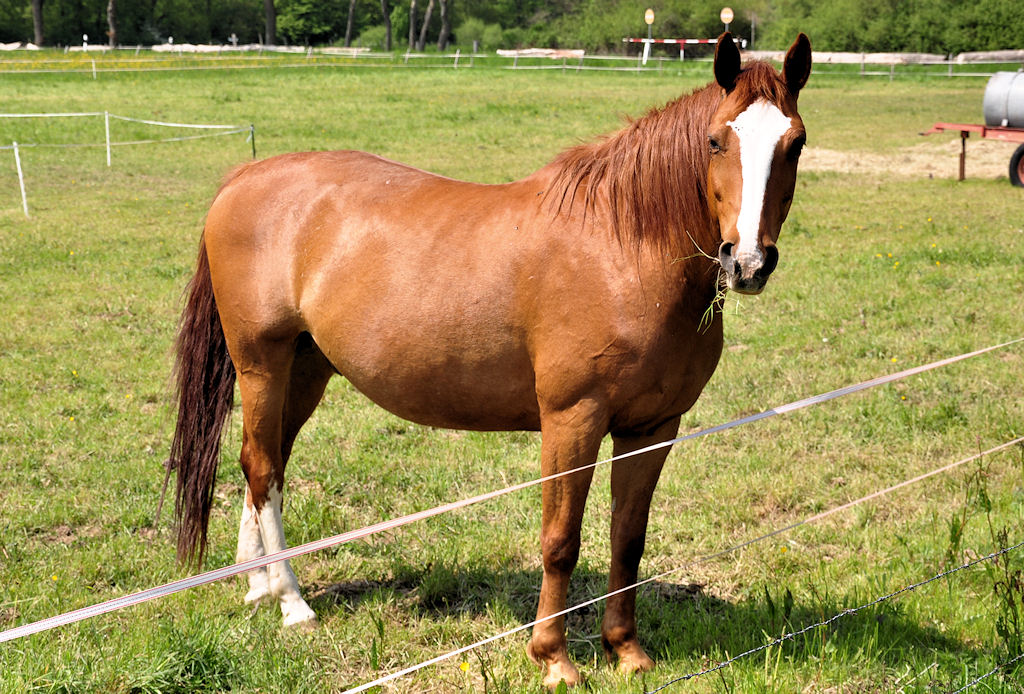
x=725, y=256
x=770, y=261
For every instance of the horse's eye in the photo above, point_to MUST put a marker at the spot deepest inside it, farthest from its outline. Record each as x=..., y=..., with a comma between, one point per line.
x=713, y=145
x=794, y=149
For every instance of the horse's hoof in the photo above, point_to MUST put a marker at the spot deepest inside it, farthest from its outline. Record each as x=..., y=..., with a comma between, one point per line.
x=561, y=672
x=632, y=659
x=556, y=672
x=298, y=615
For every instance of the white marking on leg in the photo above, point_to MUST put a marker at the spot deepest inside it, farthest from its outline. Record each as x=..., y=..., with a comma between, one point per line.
x=250, y=546
x=759, y=129
x=283, y=583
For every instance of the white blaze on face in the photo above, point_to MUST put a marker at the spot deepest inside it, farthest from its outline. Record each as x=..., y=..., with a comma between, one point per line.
x=759, y=129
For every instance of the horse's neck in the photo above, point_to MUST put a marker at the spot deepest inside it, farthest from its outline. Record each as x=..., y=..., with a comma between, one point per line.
x=647, y=182
x=691, y=284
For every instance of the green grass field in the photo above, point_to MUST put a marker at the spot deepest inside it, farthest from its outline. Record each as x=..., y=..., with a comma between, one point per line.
x=878, y=273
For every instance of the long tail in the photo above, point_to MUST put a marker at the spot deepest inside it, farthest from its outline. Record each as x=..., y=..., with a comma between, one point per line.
x=205, y=380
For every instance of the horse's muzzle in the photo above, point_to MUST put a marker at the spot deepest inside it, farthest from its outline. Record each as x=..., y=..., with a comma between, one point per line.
x=749, y=274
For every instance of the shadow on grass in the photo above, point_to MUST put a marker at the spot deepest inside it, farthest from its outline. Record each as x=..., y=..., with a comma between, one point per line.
x=677, y=621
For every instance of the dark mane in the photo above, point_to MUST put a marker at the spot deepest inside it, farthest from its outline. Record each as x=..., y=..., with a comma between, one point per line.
x=648, y=179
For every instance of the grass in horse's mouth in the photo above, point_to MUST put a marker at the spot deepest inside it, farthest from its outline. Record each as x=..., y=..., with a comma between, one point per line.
x=718, y=301
x=721, y=283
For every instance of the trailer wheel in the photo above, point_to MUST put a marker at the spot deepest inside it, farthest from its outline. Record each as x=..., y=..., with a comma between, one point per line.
x=1017, y=167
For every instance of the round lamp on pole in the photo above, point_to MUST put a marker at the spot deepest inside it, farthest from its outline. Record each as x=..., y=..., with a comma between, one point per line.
x=726, y=16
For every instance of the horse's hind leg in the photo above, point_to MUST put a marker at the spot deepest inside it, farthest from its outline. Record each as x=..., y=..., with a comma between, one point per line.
x=281, y=384
x=250, y=546
x=633, y=482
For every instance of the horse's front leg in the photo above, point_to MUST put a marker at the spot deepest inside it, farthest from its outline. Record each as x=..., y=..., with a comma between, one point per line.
x=633, y=482
x=570, y=439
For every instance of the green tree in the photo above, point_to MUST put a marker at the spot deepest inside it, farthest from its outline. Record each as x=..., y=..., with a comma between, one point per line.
x=986, y=26
x=310, y=21
x=934, y=26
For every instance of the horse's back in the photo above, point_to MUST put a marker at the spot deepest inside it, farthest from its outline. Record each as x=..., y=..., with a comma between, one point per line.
x=402, y=277
x=303, y=219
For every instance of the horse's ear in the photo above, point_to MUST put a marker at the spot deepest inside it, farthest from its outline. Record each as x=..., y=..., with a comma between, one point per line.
x=727, y=62
x=797, y=67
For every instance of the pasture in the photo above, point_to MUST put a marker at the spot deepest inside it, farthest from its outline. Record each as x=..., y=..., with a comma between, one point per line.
x=882, y=268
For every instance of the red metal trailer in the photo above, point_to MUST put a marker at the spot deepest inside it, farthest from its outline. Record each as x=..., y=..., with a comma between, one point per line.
x=993, y=133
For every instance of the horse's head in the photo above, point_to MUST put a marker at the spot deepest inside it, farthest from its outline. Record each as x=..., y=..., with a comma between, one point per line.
x=755, y=138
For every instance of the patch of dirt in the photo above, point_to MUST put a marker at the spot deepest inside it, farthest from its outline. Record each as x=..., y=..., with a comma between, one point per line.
x=148, y=534
x=65, y=534
x=677, y=592
x=937, y=157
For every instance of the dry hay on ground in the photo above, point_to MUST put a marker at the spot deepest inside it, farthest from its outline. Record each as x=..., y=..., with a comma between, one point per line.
x=938, y=157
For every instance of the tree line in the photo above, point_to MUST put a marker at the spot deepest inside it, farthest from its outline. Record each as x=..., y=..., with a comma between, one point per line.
x=933, y=26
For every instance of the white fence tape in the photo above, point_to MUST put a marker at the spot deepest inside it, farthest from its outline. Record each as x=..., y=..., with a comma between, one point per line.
x=199, y=126
x=678, y=569
x=292, y=552
x=108, y=144
x=50, y=115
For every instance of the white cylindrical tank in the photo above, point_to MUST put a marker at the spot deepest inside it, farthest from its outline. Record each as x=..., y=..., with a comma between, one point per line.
x=1004, y=100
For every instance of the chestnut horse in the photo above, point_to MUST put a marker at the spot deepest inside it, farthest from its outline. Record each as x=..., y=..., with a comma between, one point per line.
x=578, y=301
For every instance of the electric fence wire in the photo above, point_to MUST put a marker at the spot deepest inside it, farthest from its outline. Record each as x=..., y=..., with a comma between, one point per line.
x=678, y=569
x=991, y=672
x=224, y=130
x=844, y=613
x=182, y=138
